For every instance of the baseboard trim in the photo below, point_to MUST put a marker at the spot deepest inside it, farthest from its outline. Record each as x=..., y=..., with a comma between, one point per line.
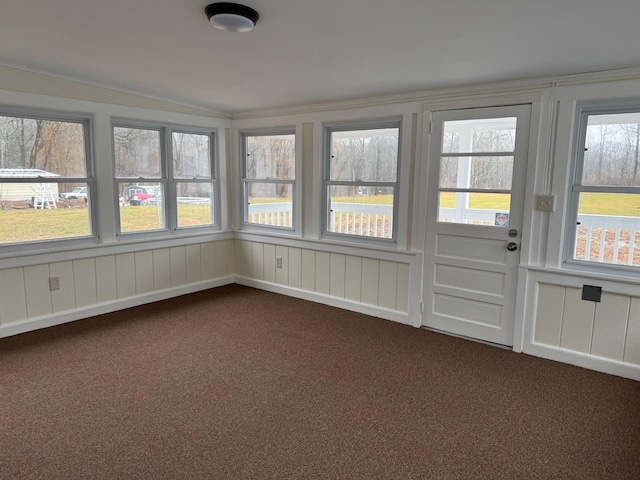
x=23, y=326
x=373, y=310
x=591, y=362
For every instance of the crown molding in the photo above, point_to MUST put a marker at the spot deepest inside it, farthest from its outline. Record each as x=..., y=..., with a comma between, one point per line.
x=475, y=91
x=205, y=111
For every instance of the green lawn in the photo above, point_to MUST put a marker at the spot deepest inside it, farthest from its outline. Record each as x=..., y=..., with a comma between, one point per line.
x=29, y=224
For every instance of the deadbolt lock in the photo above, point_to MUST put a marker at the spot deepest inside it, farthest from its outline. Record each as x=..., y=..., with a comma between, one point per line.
x=513, y=233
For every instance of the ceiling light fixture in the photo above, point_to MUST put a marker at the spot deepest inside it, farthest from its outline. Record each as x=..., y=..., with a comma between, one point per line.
x=232, y=17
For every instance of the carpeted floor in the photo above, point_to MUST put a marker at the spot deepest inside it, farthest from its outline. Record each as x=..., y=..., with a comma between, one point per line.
x=237, y=383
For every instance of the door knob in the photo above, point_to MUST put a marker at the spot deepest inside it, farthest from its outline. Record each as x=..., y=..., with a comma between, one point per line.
x=512, y=246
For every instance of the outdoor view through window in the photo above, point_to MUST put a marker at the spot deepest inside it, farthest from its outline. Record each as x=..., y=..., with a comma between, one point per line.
x=268, y=179
x=476, y=171
x=362, y=181
x=44, y=185
x=606, y=195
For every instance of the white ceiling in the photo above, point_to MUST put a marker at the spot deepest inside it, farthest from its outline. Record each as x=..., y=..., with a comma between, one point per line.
x=310, y=51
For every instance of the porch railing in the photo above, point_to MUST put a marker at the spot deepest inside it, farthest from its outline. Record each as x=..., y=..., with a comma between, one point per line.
x=600, y=238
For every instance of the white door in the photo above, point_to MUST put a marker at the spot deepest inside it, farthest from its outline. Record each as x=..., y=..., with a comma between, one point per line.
x=477, y=164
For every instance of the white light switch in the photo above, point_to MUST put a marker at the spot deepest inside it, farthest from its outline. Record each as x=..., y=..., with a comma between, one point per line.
x=545, y=203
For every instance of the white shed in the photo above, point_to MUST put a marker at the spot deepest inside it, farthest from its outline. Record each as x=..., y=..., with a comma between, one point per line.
x=26, y=191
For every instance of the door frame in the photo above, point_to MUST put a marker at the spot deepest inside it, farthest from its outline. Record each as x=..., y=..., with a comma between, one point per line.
x=536, y=180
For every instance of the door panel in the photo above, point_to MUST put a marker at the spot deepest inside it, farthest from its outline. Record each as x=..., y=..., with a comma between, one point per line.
x=477, y=163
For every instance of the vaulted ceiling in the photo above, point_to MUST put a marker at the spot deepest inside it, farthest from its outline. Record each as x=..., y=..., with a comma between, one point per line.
x=309, y=51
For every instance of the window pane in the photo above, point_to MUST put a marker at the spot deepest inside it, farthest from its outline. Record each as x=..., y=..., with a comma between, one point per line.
x=481, y=135
x=270, y=204
x=191, y=155
x=474, y=208
x=36, y=212
x=141, y=207
x=271, y=157
x=608, y=228
x=365, y=155
x=612, y=150
x=31, y=147
x=137, y=152
x=486, y=173
x=195, y=204
x=366, y=211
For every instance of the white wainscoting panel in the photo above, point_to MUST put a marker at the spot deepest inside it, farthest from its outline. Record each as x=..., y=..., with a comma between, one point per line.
x=577, y=322
x=295, y=267
x=84, y=279
x=609, y=329
x=36, y=280
x=106, y=279
x=549, y=314
x=337, y=275
x=353, y=278
x=100, y=284
x=144, y=272
x=323, y=273
x=161, y=269
x=126, y=275
x=178, y=266
x=12, y=296
x=65, y=298
x=632, y=345
x=193, y=261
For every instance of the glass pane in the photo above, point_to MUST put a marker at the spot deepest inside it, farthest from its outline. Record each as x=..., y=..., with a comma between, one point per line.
x=480, y=135
x=37, y=211
x=365, y=155
x=366, y=211
x=612, y=150
x=191, y=155
x=485, y=173
x=141, y=207
x=475, y=208
x=270, y=204
x=271, y=157
x=195, y=204
x=608, y=228
x=31, y=147
x=137, y=152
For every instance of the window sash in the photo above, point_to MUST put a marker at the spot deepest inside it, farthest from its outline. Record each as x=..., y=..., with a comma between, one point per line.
x=86, y=124
x=573, y=236
x=167, y=180
x=329, y=130
x=282, y=219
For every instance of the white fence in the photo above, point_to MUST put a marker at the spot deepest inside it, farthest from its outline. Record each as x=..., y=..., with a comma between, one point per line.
x=600, y=238
x=608, y=239
x=277, y=214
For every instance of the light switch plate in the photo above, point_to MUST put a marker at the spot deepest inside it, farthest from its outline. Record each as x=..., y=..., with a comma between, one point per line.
x=545, y=203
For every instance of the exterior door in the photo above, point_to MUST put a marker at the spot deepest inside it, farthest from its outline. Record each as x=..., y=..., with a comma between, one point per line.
x=477, y=165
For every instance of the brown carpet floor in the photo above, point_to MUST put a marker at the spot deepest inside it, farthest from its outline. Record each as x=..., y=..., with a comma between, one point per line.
x=237, y=383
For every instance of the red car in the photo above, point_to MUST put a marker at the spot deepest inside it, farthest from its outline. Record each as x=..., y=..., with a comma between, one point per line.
x=137, y=194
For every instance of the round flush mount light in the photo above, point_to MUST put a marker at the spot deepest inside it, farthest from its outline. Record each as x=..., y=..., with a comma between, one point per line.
x=232, y=17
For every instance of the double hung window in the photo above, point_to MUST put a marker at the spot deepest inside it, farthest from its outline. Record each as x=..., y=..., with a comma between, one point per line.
x=268, y=178
x=604, y=222
x=361, y=179
x=46, y=178
x=165, y=178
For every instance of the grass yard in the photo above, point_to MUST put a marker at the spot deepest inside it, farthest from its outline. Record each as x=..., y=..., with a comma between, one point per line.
x=21, y=225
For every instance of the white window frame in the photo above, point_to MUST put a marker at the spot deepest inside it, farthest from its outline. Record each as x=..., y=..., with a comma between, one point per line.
x=167, y=178
x=86, y=120
x=245, y=181
x=582, y=112
x=354, y=125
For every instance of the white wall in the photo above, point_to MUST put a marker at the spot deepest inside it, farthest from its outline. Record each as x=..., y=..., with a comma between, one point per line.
x=383, y=281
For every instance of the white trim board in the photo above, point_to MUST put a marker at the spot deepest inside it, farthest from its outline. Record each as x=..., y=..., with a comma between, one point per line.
x=371, y=310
